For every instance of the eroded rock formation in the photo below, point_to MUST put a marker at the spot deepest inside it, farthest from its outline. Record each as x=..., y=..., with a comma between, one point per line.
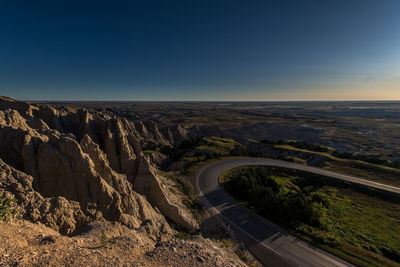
x=66, y=167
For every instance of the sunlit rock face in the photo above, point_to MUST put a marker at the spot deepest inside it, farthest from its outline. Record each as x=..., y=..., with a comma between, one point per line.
x=66, y=167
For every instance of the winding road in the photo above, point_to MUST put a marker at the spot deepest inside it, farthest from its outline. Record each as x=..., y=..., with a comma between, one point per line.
x=270, y=244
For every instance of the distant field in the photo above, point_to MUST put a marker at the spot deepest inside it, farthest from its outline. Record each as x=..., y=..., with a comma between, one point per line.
x=367, y=127
x=360, y=228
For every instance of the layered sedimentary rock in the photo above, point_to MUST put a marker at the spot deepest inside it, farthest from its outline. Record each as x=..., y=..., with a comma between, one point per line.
x=74, y=166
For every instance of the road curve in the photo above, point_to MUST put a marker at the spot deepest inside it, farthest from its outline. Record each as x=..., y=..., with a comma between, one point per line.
x=270, y=244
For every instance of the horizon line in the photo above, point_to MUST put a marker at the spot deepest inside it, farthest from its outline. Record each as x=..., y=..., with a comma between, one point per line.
x=277, y=100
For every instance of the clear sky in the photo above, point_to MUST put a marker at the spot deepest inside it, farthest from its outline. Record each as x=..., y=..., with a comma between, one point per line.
x=200, y=50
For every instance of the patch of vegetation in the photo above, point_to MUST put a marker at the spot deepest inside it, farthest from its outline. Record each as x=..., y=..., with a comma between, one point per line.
x=152, y=147
x=333, y=154
x=374, y=159
x=296, y=160
x=217, y=145
x=298, y=144
x=227, y=240
x=366, y=170
x=183, y=234
x=105, y=241
x=280, y=201
x=203, y=150
x=149, y=151
x=189, y=197
x=361, y=228
x=355, y=167
x=357, y=224
x=8, y=208
x=197, y=151
x=242, y=255
x=176, y=153
x=243, y=152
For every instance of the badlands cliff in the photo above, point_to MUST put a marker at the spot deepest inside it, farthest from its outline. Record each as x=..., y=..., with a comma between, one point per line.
x=66, y=168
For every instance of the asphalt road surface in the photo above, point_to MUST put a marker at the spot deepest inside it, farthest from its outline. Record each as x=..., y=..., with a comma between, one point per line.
x=270, y=244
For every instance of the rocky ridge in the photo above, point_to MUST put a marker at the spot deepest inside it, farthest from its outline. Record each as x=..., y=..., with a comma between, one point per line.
x=69, y=167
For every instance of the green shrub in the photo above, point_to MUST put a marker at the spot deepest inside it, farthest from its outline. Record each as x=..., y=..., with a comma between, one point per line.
x=8, y=208
x=104, y=239
x=318, y=213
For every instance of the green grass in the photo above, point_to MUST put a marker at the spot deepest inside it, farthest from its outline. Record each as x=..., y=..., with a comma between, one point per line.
x=207, y=150
x=221, y=141
x=286, y=182
x=362, y=169
x=149, y=151
x=296, y=160
x=328, y=155
x=104, y=240
x=218, y=145
x=359, y=228
x=8, y=208
x=369, y=172
x=193, y=164
x=195, y=158
x=325, y=154
x=364, y=229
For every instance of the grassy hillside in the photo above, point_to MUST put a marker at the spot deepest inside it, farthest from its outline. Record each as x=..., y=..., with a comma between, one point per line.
x=360, y=228
x=218, y=145
x=207, y=149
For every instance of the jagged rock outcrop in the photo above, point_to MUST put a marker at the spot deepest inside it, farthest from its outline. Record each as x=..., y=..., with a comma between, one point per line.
x=151, y=184
x=84, y=165
x=58, y=213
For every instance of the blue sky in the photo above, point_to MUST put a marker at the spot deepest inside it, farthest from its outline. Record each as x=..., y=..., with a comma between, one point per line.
x=200, y=50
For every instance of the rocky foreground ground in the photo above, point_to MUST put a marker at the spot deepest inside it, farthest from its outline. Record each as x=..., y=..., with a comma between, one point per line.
x=87, y=195
x=26, y=244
